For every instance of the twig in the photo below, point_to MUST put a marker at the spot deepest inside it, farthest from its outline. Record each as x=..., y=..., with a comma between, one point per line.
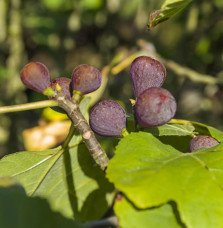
x=79, y=122
x=108, y=222
x=178, y=69
x=187, y=72
x=124, y=64
x=28, y=106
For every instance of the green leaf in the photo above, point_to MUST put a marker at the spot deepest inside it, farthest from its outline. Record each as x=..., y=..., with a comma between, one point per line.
x=131, y=217
x=168, y=10
x=171, y=129
x=151, y=173
x=18, y=210
x=7, y=181
x=178, y=142
x=69, y=180
x=202, y=129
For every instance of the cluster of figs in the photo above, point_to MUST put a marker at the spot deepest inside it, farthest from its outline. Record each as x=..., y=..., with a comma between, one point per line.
x=154, y=106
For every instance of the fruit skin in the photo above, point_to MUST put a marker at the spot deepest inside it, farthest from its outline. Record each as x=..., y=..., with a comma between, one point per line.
x=146, y=72
x=155, y=107
x=202, y=141
x=64, y=83
x=86, y=79
x=35, y=76
x=107, y=118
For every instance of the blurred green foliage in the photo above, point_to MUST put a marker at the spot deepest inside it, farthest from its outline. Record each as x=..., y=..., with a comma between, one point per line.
x=65, y=33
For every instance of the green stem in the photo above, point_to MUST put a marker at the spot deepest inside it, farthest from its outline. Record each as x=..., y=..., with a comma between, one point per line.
x=28, y=106
x=124, y=132
x=69, y=137
x=179, y=121
x=76, y=96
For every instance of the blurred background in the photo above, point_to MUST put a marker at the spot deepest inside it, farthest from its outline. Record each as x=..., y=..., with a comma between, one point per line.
x=65, y=33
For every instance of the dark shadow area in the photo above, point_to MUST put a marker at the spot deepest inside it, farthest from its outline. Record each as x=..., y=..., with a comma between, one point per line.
x=176, y=213
x=70, y=182
x=180, y=143
x=95, y=205
x=171, y=203
x=153, y=130
x=17, y=210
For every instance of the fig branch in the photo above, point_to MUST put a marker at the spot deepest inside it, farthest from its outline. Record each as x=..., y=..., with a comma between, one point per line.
x=79, y=122
x=28, y=106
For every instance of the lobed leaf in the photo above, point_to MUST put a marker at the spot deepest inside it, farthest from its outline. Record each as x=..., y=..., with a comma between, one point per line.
x=153, y=174
x=67, y=178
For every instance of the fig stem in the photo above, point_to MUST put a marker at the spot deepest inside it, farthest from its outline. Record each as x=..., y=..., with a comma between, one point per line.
x=28, y=106
x=49, y=92
x=76, y=96
x=79, y=122
x=124, y=132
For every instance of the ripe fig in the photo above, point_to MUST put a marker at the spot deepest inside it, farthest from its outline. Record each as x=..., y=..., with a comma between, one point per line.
x=108, y=118
x=146, y=72
x=202, y=141
x=86, y=79
x=64, y=83
x=155, y=107
x=35, y=76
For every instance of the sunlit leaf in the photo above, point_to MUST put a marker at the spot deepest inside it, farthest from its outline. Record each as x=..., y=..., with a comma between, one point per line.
x=69, y=180
x=172, y=129
x=151, y=173
x=202, y=129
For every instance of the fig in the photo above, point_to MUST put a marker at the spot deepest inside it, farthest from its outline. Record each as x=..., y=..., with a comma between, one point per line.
x=86, y=79
x=35, y=76
x=108, y=118
x=155, y=107
x=146, y=72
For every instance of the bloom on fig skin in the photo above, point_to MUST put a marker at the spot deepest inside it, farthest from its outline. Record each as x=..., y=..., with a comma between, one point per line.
x=202, y=141
x=86, y=79
x=155, y=107
x=35, y=76
x=64, y=83
x=108, y=118
x=146, y=72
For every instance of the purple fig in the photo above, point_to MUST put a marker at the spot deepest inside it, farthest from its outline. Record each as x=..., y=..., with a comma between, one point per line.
x=146, y=72
x=155, y=107
x=108, y=118
x=86, y=79
x=202, y=141
x=35, y=76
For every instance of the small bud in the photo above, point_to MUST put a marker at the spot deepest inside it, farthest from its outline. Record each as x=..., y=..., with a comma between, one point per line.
x=35, y=76
x=86, y=79
x=108, y=118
